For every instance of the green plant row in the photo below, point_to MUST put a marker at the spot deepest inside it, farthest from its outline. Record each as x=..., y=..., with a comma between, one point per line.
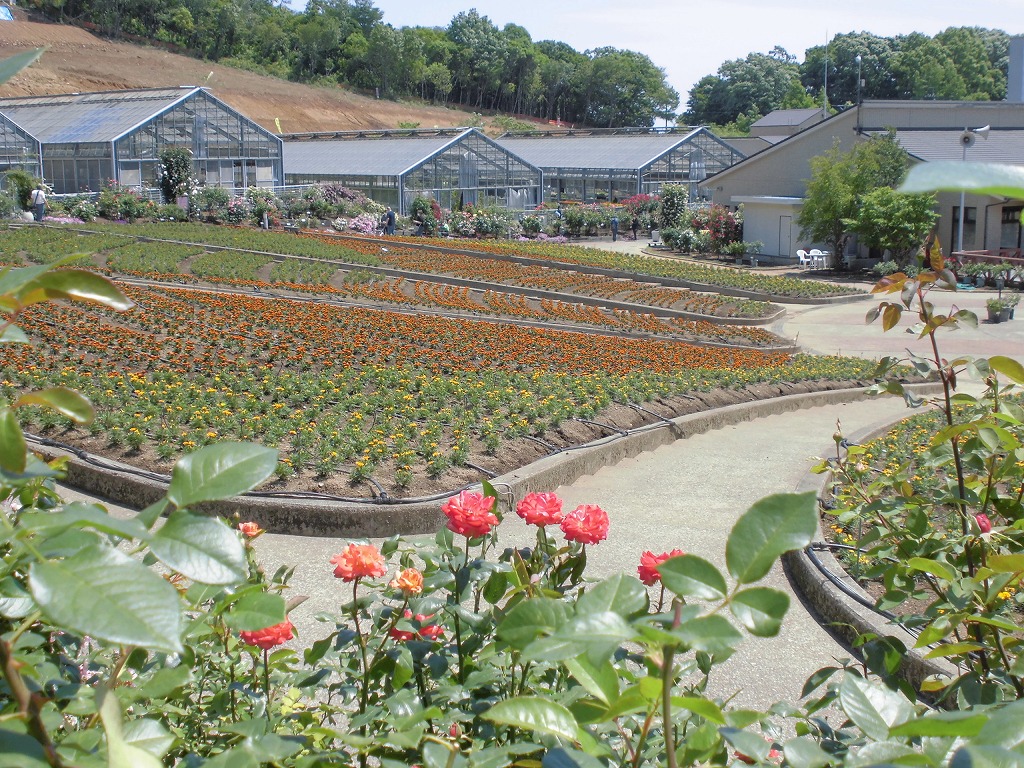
x=769, y=286
x=241, y=238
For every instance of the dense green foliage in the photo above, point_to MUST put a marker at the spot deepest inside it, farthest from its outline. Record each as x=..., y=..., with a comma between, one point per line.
x=840, y=184
x=958, y=63
x=471, y=62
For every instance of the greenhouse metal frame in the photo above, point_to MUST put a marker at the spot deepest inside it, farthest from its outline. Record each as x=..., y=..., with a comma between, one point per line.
x=615, y=164
x=19, y=151
x=455, y=167
x=86, y=140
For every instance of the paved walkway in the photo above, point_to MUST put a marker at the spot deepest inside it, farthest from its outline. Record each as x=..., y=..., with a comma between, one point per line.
x=689, y=494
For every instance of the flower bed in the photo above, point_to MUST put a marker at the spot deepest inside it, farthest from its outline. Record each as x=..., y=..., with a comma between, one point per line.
x=346, y=393
x=647, y=265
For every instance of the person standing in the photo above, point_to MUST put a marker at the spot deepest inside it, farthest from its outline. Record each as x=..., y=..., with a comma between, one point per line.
x=389, y=222
x=38, y=200
x=615, y=228
x=634, y=225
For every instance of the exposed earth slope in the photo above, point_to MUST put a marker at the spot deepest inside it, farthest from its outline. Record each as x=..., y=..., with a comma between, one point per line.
x=77, y=60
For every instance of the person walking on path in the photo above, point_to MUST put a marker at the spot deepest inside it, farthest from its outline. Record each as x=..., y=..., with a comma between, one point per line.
x=38, y=199
x=615, y=228
x=634, y=225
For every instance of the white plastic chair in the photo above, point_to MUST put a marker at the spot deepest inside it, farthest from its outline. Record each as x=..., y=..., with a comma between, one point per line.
x=820, y=258
x=804, y=259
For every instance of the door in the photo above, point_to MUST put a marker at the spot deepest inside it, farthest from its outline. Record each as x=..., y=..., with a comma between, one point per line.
x=785, y=235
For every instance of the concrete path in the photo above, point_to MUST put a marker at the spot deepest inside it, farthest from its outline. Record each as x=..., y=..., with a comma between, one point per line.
x=688, y=495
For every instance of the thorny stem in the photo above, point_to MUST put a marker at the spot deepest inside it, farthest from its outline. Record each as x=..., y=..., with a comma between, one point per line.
x=364, y=694
x=266, y=678
x=947, y=407
x=625, y=740
x=667, y=678
x=115, y=673
x=644, y=731
x=29, y=705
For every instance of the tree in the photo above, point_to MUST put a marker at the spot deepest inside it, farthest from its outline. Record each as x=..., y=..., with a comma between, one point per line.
x=829, y=201
x=625, y=88
x=924, y=70
x=984, y=80
x=842, y=52
x=895, y=222
x=758, y=83
x=840, y=180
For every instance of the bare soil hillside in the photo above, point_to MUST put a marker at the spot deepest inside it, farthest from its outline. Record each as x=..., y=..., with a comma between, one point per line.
x=77, y=60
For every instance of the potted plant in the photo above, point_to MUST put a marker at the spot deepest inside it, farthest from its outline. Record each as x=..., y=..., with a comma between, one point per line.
x=998, y=310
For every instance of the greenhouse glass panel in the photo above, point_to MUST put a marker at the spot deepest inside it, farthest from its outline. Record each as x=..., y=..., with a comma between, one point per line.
x=18, y=150
x=228, y=149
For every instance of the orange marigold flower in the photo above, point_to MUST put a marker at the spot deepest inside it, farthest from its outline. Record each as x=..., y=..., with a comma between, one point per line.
x=359, y=561
x=269, y=637
x=469, y=514
x=410, y=581
x=649, y=562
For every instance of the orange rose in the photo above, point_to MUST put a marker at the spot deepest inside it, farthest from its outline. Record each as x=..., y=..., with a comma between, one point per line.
x=358, y=561
x=410, y=581
x=250, y=530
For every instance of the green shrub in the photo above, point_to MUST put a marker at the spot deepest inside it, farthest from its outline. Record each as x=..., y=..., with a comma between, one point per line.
x=175, y=173
x=210, y=204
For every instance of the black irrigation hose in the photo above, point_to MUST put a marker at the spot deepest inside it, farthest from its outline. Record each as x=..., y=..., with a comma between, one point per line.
x=600, y=424
x=552, y=449
x=641, y=409
x=820, y=546
x=382, y=499
x=482, y=470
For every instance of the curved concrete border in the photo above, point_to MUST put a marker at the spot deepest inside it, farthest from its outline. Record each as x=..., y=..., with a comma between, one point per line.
x=314, y=517
x=844, y=616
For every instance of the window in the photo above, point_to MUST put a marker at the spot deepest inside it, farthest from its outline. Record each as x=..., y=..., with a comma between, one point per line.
x=970, y=227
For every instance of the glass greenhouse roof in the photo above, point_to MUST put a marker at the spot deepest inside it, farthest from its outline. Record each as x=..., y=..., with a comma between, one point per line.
x=625, y=152
x=362, y=157
x=89, y=117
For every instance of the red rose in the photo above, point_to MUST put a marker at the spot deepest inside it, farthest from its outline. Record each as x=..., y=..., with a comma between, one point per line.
x=357, y=561
x=983, y=522
x=426, y=631
x=540, y=509
x=649, y=562
x=469, y=514
x=429, y=631
x=587, y=524
x=269, y=637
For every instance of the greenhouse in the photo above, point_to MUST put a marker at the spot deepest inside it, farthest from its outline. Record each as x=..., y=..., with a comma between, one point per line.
x=84, y=140
x=18, y=150
x=455, y=167
x=614, y=164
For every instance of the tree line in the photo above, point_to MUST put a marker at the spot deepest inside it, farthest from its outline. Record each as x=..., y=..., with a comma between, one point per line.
x=960, y=63
x=471, y=62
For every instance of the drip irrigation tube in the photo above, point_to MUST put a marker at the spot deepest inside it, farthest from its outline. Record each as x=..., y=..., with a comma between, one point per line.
x=600, y=424
x=382, y=499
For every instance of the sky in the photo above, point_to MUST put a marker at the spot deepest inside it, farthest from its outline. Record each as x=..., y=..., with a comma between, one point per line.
x=692, y=38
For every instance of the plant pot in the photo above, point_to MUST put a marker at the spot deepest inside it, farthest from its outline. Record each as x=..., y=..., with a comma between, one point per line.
x=1004, y=315
x=995, y=316
x=980, y=281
